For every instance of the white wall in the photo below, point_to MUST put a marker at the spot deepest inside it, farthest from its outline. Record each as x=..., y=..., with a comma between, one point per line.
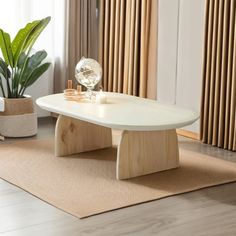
x=167, y=50
x=180, y=48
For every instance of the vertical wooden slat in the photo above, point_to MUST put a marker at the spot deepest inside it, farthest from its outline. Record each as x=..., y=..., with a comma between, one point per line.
x=142, y=48
x=121, y=46
x=234, y=138
x=136, y=49
x=229, y=74
x=208, y=72
x=127, y=46
x=145, y=22
x=147, y=33
x=213, y=73
x=222, y=86
x=233, y=97
x=218, y=73
x=101, y=31
x=106, y=43
x=116, y=46
x=131, y=51
x=147, y=25
x=111, y=45
x=152, y=51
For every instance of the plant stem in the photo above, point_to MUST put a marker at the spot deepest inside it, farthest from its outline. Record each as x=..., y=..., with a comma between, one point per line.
x=22, y=70
x=8, y=89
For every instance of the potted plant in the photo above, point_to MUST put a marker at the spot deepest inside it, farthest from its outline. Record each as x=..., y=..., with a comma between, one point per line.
x=19, y=69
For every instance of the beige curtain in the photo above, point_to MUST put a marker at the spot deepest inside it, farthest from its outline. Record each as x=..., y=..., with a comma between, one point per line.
x=127, y=53
x=218, y=117
x=82, y=37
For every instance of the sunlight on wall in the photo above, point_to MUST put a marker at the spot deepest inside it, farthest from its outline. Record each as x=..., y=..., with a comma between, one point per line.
x=15, y=14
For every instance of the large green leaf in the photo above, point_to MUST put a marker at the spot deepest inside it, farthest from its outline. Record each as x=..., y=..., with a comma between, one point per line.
x=31, y=64
x=1, y=86
x=6, y=74
x=36, y=31
x=27, y=36
x=36, y=59
x=21, y=60
x=35, y=75
x=5, y=44
x=20, y=38
x=4, y=69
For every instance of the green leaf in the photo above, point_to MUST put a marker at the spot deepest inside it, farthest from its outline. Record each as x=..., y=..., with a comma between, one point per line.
x=27, y=36
x=19, y=40
x=36, y=74
x=5, y=44
x=4, y=69
x=36, y=31
x=36, y=59
x=21, y=60
x=6, y=74
x=32, y=63
x=1, y=86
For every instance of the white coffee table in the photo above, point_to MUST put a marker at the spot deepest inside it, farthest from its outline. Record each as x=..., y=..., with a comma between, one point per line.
x=148, y=142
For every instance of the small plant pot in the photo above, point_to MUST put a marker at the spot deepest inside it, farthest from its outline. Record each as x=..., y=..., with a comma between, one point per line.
x=18, y=118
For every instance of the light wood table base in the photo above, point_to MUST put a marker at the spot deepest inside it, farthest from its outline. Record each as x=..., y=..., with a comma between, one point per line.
x=76, y=136
x=139, y=152
x=146, y=152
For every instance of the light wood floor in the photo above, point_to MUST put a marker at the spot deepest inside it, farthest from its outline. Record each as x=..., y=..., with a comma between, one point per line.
x=210, y=211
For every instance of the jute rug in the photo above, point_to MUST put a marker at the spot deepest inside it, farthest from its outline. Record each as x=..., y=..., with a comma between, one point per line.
x=85, y=184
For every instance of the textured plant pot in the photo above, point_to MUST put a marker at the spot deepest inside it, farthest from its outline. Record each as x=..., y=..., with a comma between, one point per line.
x=18, y=118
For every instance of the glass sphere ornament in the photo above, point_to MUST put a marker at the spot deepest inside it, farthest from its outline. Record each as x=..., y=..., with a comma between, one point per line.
x=88, y=72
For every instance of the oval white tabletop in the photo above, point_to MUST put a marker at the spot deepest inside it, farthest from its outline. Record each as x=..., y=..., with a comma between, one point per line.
x=122, y=112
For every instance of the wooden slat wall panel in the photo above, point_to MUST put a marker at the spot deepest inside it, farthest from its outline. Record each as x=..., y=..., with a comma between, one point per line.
x=213, y=71
x=229, y=73
x=218, y=57
x=218, y=125
x=136, y=49
x=123, y=39
x=121, y=46
x=232, y=128
x=116, y=46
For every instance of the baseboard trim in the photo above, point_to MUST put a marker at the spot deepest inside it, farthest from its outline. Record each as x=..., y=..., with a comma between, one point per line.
x=188, y=134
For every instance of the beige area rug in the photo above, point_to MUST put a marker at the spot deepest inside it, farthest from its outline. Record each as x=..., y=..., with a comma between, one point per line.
x=85, y=184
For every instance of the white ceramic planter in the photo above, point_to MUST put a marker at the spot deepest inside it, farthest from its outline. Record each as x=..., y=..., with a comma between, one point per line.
x=18, y=118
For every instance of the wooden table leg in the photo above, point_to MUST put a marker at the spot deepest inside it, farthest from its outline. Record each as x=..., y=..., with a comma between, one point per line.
x=146, y=152
x=74, y=136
